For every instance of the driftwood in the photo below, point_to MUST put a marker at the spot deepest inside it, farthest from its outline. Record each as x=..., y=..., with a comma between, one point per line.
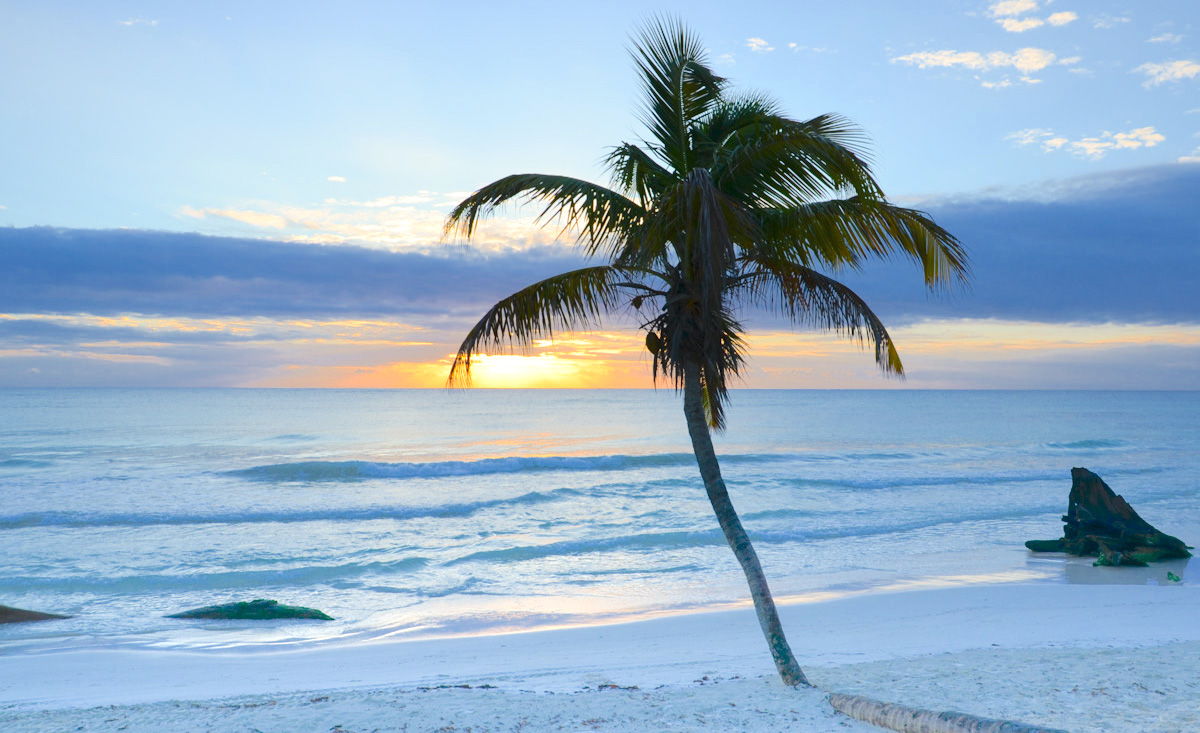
x=260, y=609
x=914, y=720
x=10, y=615
x=1101, y=524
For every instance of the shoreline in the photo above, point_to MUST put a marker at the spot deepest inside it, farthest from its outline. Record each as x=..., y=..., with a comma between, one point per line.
x=973, y=644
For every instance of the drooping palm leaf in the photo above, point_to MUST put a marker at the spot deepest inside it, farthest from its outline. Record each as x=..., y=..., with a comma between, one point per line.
x=845, y=232
x=810, y=297
x=602, y=217
x=570, y=301
x=636, y=173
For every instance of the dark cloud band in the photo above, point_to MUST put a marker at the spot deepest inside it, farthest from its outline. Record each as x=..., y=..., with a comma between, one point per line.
x=1118, y=247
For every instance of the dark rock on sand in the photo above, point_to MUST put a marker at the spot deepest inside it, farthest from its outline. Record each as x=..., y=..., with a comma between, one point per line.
x=10, y=615
x=259, y=609
x=1101, y=524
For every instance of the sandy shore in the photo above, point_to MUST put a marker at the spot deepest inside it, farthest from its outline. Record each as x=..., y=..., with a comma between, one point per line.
x=1078, y=657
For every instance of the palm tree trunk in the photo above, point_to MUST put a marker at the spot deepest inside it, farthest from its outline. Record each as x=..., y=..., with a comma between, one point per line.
x=710, y=471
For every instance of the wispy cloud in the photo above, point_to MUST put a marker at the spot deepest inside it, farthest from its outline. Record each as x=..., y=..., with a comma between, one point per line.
x=1168, y=71
x=1025, y=60
x=336, y=179
x=138, y=21
x=1091, y=148
x=1165, y=38
x=253, y=218
x=1108, y=22
x=1062, y=18
x=1007, y=13
x=1008, y=8
x=758, y=45
x=405, y=222
x=1020, y=25
x=795, y=47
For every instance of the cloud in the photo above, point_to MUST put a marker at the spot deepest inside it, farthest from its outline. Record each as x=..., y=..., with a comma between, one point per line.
x=1165, y=38
x=1024, y=59
x=1057, y=19
x=758, y=45
x=1005, y=8
x=128, y=307
x=1108, y=247
x=1168, y=71
x=253, y=218
x=336, y=179
x=1092, y=148
x=113, y=272
x=1108, y=22
x=1020, y=25
x=401, y=222
x=1006, y=13
x=1114, y=246
x=1193, y=158
x=138, y=21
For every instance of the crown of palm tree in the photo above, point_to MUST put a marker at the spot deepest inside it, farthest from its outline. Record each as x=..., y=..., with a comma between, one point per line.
x=728, y=203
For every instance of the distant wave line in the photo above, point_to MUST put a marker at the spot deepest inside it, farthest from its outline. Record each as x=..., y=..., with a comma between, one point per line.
x=73, y=519
x=308, y=575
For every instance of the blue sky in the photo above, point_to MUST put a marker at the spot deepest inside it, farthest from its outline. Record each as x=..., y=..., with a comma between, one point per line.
x=1059, y=140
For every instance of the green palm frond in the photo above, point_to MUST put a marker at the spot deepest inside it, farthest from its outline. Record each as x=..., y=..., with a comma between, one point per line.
x=570, y=301
x=637, y=173
x=844, y=232
x=602, y=217
x=782, y=163
x=679, y=86
x=809, y=297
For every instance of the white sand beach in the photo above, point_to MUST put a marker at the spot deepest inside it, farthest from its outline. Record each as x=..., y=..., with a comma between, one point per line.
x=1076, y=657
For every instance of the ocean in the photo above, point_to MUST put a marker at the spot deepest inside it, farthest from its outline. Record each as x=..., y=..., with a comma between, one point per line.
x=419, y=513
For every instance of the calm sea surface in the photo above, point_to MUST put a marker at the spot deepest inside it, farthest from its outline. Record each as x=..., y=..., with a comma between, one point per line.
x=416, y=513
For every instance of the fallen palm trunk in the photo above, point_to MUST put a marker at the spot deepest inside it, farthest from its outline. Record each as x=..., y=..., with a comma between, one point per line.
x=913, y=720
x=1101, y=524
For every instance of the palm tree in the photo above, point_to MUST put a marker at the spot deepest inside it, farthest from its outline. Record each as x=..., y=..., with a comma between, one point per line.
x=729, y=204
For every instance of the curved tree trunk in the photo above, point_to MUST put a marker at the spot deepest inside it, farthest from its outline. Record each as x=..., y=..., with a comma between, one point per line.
x=710, y=471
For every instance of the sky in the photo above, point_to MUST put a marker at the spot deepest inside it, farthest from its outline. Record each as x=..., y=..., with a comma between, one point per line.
x=252, y=194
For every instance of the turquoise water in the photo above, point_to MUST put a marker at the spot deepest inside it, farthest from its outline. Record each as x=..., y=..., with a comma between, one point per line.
x=426, y=512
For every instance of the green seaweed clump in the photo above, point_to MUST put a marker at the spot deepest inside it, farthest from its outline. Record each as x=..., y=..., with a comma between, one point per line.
x=258, y=609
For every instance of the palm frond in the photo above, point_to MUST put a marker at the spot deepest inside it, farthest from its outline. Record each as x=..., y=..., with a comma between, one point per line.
x=774, y=161
x=678, y=84
x=572, y=300
x=637, y=173
x=810, y=297
x=603, y=218
x=844, y=232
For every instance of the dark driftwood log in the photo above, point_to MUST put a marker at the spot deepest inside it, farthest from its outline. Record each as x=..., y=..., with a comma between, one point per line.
x=1101, y=524
x=10, y=615
x=260, y=609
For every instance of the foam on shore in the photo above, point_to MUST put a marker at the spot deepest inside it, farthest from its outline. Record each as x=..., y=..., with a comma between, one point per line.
x=1080, y=657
